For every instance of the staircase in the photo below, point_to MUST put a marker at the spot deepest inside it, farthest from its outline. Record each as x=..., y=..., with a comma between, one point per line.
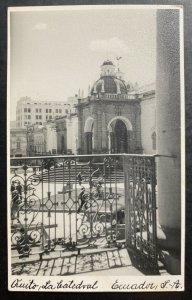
x=82, y=172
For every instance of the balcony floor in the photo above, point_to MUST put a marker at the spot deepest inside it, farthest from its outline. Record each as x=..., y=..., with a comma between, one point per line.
x=103, y=262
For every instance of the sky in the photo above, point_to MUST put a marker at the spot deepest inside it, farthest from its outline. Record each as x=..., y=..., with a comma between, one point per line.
x=53, y=54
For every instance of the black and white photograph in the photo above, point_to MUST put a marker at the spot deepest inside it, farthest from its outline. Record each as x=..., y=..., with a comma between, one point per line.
x=96, y=148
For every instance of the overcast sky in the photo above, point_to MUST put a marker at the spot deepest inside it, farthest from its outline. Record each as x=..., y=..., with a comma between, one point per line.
x=54, y=53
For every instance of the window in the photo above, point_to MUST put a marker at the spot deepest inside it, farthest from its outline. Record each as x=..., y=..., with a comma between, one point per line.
x=36, y=110
x=40, y=123
x=46, y=117
x=47, y=110
x=56, y=111
x=60, y=111
x=153, y=137
x=50, y=117
x=40, y=110
x=25, y=109
x=29, y=110
x=66, y=111
x=37, y=117
x=29, y=117
x=40, y=117
x=50, y=110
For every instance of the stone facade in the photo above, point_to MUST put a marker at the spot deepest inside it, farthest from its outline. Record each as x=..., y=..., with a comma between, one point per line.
x=67, y=134
x=61, y=128
x=97, y=119
x=30, y=111
x=18, y=142
x=148, y=122
x=51, y=137
x=115, y=117
x=36, y=140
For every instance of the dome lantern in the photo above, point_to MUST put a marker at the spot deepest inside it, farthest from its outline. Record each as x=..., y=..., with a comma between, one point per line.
x=107, y=68
x=109, y=83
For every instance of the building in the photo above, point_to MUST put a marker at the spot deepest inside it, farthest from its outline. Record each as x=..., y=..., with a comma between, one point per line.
x=36, y=140
x=61, y=129
x=72, y=133
x=18, y=142
x=67, y=134
x=148, y=119
x=51, y=137
x=30, y=111
x=116, y=117
x=42, y=139
x=72, y=101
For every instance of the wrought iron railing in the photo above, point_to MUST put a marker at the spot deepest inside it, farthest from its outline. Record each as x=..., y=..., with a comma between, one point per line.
x=67, y=203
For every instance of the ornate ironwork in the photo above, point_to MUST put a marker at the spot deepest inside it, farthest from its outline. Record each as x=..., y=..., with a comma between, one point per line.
x=65, y=204
x=81, y=214
x=141, y=211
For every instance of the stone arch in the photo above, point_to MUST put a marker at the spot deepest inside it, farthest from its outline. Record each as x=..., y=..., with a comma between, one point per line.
x=124, y=119
x=119, y=143
x=88, y=124
x=88, y=135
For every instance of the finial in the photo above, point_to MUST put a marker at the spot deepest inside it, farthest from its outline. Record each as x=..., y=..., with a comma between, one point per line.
x=79, y=93
x=118, y=59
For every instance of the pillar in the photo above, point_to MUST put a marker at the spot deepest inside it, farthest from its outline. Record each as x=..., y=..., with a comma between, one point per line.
x=80, y=144
x=168, y=137
x=104, y=133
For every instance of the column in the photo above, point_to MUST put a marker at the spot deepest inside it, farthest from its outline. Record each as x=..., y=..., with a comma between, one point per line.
x=99, y=131
x=168, y=137
x=104, y=133
x=80, y=145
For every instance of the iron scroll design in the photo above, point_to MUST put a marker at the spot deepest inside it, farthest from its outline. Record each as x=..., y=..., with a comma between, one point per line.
x=61, y=204
x=141, y=212
x=65, y=204
x=25, y=206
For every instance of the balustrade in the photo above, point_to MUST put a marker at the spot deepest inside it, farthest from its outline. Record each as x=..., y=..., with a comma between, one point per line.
x=67, y=203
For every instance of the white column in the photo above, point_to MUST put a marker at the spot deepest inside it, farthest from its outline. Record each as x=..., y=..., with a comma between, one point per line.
x=168, y=134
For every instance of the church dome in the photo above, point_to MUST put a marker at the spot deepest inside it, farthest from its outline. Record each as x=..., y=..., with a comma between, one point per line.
x=109, y=82
x=109, y=85
x=107, y=63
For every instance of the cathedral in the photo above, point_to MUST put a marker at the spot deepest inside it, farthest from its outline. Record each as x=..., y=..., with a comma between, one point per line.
x=116, y=117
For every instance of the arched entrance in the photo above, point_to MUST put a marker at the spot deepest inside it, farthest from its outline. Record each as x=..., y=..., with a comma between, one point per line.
x=88, y=135
x=119, y=129
x=120, y=137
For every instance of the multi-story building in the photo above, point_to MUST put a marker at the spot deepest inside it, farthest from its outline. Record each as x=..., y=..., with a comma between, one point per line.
x=36, y=140
x=42, y=139
x=30, y=111
x=67, y=134
x=18, y=142
x=115, y=117
x=51, y=137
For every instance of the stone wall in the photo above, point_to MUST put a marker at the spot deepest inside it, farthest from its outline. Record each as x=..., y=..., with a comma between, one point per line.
x=18, y=137
x=148, y=123
x=102, y=113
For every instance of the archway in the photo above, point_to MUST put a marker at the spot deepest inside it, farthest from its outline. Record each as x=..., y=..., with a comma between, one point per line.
x=119, y=129
x=88, y=135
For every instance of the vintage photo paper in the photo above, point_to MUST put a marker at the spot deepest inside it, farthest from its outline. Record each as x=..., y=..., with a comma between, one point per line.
x=96, y=179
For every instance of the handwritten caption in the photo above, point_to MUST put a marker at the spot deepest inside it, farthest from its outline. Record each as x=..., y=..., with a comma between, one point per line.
x=117, y=285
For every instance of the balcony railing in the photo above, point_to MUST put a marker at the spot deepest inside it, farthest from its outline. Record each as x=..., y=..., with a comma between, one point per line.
x=68, y=203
